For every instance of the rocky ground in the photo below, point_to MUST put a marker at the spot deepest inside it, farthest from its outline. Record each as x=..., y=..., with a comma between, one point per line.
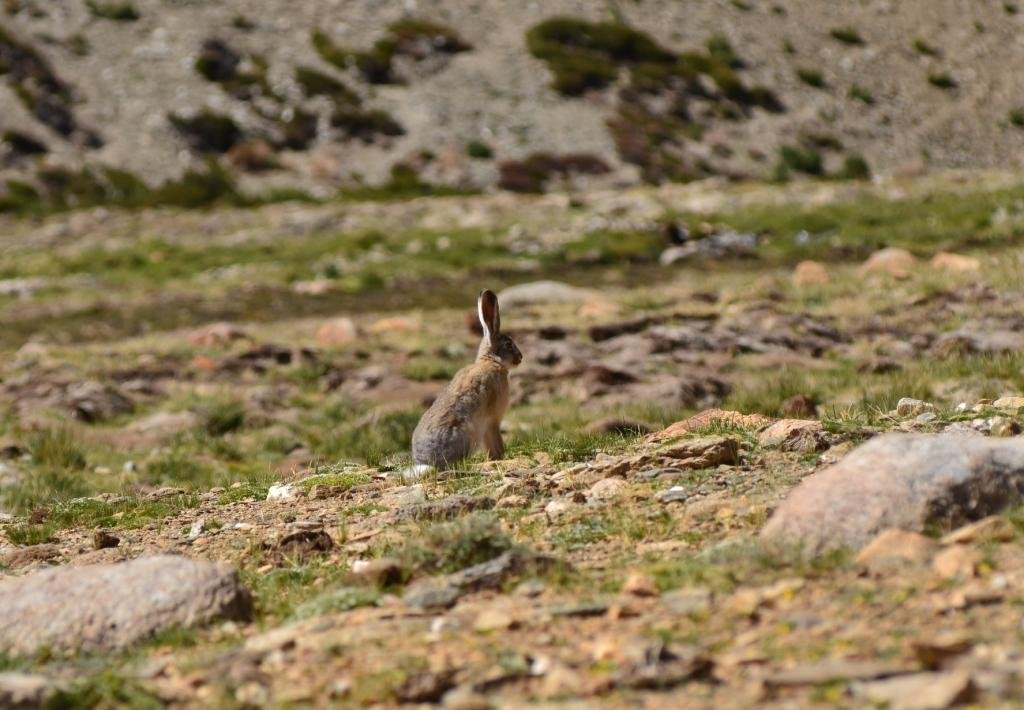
x=764, y=449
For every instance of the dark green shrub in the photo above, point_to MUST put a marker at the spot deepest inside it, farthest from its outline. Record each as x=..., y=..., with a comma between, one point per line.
x=198, y=188
x=801, y=160
x=587, y=55
x=720, y=50
x=811, y=77
x=363, y=125
x=922, y=47
x=479, y=150
x=316, y=83
x=859, y=93
x=207, y=131
x=855, y=167
x=413, y=38
x=847, y=35
x=942, y=80
x=217, y=61
x=20, y=197
x=298, y=131
x=21, y=145
x=117, y=11
x=1016, y=117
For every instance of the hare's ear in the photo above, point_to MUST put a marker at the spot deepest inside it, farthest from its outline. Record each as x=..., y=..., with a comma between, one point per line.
x=487, y=309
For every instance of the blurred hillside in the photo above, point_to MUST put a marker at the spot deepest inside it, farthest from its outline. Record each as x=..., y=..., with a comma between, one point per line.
x=102, y=94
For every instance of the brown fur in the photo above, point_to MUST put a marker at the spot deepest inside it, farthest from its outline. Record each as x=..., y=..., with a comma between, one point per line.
x=467, y=415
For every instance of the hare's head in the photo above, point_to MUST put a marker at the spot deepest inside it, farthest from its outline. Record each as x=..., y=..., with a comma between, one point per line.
x=495, y=345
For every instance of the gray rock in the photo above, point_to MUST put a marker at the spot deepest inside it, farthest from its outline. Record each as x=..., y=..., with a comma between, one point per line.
x=905, y=481
x=543, y=292
x=430, y=594
x=107, y=607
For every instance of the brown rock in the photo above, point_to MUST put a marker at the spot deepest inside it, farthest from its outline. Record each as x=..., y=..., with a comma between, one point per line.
x=893, y=551
x=833, y=670
x=936, y=651
x=24, y=556
x=640, y=585
x=892, y=261
x=957, y=561
x=810, y=273
x=794, y=435
x=957, y=263
x=905, y=481
x=337, y=331
x=706, y=452
x=920, y=691
x=990, y=529
x=708, y=418
x=396, y=324
x=110, y=606
x=216, y=335
x=494, y=619
x=607, y=489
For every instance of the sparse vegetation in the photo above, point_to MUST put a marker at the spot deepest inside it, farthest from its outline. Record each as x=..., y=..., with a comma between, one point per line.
x=413, y=38
x=855, y=167
x=479, y=150
x=847, y=35
x=811, y=77
x=116, y=10
x=207, y=131
x=942, y=80
x=859, y=93
x=533, y=173
x=922, y=47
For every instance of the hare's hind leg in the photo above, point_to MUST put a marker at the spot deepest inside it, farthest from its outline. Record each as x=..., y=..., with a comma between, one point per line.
x=493, y=442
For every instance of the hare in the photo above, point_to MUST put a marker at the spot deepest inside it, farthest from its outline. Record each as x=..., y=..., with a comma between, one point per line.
x=467, y=415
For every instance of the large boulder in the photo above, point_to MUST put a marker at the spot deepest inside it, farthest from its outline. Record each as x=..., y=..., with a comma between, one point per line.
x=108, y=607
x=900, y=481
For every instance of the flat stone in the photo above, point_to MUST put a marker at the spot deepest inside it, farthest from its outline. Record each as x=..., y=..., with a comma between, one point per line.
x=834, y=670
x=919, y=691
x=709, y=418
x=25, y=690
x=936, y=651
x=431, y=595
x=891, y=261
x=607, y=489
x=905, y=481
x=957, y=561
x=706, y=452
x=337, y=331
x=640, y=585
x=108, y=607
x=990, y=529
x=955, y=263
x=689, y=601
x=810, y=273
x=895, y=550
x=1009, y=403
x=24, y=556
x=794, y=435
